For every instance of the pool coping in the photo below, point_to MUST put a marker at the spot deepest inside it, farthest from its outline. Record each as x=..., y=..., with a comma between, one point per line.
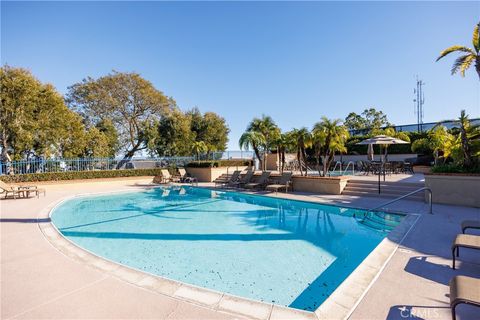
x=339, y=305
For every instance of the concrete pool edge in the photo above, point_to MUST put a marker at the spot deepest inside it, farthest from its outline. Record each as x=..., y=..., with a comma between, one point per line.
x=341, y=302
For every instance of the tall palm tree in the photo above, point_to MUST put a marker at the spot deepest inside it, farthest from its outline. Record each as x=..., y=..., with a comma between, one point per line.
x=303, y=140
x=254, y=140
x=270, y=131
x=329, y=137
x=471, y=56
x=284, y=143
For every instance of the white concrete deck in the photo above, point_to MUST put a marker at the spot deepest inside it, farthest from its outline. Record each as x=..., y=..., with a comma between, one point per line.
x=38, y=281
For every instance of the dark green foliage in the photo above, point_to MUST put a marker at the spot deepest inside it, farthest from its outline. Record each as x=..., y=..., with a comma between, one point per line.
x=219, y=163
x=455, y=168
x=74, y=175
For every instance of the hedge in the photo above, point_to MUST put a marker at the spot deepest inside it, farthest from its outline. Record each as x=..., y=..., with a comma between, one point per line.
x=219, y=163
x=74, y=175
x=453, y=168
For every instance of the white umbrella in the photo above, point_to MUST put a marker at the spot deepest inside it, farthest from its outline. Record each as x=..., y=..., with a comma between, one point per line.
x=382, y=140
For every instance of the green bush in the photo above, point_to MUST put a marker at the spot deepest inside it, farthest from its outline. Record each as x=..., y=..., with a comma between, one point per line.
x=74, y=175
x=454, y=168
x=219, y=163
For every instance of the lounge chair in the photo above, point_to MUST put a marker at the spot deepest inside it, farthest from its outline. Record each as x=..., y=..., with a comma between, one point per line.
x=230, y=181
x=20, y=191
x=470, y=224
x=166, y=177
x=184, y=177
x=262, y=181
x=243, y=180
x=464, y=290
x=465, y=241
x=283, y=183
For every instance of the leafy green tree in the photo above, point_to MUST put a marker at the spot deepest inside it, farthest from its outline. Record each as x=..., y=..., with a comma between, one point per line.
x=175, y=136
x=303, y=140
x=470, y=56
x=209, y=128
x=106, y=127
x=198, y=147
x=329, y=137
x=355, y=121
x=33, y=117
x=369, y=119
x=375, y=119
x=130, y=102
x=215, y=133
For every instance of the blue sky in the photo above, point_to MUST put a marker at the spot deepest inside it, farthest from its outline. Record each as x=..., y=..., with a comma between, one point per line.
x=295, y=61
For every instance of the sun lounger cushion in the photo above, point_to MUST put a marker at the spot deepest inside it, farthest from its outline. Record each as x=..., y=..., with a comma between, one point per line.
x=465, y=241
x=464, y=290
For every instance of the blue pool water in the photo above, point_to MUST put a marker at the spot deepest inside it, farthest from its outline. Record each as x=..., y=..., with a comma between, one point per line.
x=290, y=253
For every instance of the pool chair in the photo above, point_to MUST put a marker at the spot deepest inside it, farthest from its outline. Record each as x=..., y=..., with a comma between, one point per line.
x=466, y=241
x=228, y=182
x=184, y=177
x=283, y=183
x=464, y=290
x=166, y=177
x=470, y=224
x=243, y=180
x=261, y=183
x=20, y=191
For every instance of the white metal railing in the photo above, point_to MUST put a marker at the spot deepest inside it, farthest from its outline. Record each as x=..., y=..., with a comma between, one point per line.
x=348, y=165
x=408, y=195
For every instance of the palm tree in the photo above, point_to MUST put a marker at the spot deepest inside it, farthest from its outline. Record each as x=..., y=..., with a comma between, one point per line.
x=464, y=62
x=284, y=143
x=303, y=140
x=270, y=131
x=252, y=139
x=329, y=137
x=199, y=147
x=469, y=140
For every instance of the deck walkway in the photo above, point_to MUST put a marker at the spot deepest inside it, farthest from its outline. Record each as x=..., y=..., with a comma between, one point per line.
x=39, y=282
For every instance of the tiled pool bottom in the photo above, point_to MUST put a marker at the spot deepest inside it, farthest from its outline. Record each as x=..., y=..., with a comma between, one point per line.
x=290, y=253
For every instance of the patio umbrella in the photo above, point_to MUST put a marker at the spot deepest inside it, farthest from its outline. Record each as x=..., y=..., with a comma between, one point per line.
x=382, y=140
x=370, y=152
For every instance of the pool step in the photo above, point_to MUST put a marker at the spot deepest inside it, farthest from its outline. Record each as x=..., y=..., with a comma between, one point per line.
x=369, y=188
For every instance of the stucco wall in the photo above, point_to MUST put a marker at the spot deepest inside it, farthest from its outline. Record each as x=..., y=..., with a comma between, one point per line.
x=454, y=189
x=210, y=174
x=326, y=185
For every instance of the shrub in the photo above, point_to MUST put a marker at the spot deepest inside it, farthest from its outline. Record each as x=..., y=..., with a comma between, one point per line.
x=454, y=168
x=74, y=175
x=219, y=163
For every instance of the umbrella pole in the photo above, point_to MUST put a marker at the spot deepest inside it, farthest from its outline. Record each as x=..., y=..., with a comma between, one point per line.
x=379, y=174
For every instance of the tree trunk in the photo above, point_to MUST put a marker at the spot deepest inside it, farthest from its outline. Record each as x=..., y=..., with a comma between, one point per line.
x=477, y=65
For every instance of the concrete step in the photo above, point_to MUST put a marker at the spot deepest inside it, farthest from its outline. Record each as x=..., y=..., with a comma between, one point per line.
x=416, y=197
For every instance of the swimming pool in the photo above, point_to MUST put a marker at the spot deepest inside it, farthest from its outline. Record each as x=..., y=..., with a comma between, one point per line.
x=286, y=252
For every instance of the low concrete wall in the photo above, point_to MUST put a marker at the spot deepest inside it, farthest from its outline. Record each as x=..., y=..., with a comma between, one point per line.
x=210, y=174
x=326, y=185
x=458, y=189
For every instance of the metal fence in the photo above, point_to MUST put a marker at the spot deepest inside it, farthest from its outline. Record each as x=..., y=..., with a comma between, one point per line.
x=40, y=165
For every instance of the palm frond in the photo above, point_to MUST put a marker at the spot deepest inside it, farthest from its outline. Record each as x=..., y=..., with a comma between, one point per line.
x=476, y=38
x=466, y=64
x=454, y=49
x=457, y=65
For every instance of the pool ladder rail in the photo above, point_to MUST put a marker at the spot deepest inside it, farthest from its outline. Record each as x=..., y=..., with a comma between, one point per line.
x=370, y=217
